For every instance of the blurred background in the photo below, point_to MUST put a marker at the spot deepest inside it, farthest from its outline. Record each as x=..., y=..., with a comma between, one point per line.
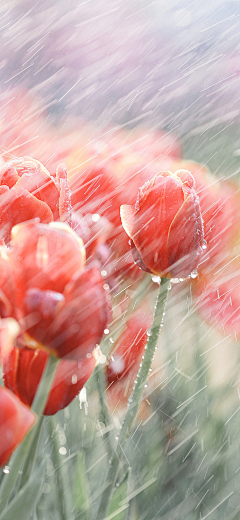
x=165, y=64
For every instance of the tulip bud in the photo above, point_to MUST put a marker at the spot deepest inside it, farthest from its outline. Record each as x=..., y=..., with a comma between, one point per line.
x=165, y=226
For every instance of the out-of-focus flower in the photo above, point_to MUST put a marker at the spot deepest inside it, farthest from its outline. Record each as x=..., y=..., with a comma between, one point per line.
x=125, y=359
x=9, y=330
x=104, y=174
x=93, y=229
x=23, y=370
x=217, y=298
x=165, y=226
x=219, y=207
x=27, y=191
x=62, y=307
x=15, y=421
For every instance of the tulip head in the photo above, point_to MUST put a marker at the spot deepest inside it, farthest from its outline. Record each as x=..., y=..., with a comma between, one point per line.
x=166, y=226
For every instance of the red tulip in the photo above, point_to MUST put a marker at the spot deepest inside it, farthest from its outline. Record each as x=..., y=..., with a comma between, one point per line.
x=23, y=370
x=15, y=421
x=165, y=226
x=218, y=299
x=62, y=307
x=27, y=191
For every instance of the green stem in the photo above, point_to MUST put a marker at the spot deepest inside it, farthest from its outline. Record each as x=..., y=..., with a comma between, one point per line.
x=18, y=458
x=61, y=473
x=101, y=384
x=32, y=453
x=134, y=400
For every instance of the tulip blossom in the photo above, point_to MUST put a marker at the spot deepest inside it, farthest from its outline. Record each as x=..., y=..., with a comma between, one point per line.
x=27, y=191
x=61, y=305
x=103, y=175
x=218, y=299
x=15, y=421
x=23, y=369
x=165, y=225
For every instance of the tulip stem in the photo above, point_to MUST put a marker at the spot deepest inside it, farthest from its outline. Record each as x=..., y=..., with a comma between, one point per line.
x=61, y=472
x=19, y=457
x=101, y=384
x=32, y=453
x=134, y=400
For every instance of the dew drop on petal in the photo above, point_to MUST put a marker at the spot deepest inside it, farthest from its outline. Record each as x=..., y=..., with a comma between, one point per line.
x=96, y=217
x=194, y=274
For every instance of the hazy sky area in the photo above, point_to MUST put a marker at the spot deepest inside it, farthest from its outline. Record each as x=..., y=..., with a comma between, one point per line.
x=173, y=64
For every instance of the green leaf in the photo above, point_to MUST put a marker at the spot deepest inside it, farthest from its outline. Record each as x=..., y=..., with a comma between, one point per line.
x=81, y=489
x=119, y=503
x=24, y=502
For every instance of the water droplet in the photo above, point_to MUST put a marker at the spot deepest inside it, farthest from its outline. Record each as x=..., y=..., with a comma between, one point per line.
x=194, y=274
x=106, y=286
x=74, y=379
x=156, y=279
x=175, y=280
x=62, y=451
x=116, y=437
x=145, y=386
x=111, y=340
x=204, y=246
x=149, y=333
x=117, y=484
x=106, y=331
x=103, y=273
x=6, y=469
x=96, y=217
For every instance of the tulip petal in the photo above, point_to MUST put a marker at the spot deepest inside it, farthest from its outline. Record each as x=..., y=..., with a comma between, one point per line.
x=46, y=257
x=15, y=422
x=18, y=205
x=185, y=238
x=8, y=176
x=128, y=214
x=28, y=367
x=80, y=324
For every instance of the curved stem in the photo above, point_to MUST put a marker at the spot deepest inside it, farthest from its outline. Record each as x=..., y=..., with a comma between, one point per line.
x=18, y=458
x=134, y=400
